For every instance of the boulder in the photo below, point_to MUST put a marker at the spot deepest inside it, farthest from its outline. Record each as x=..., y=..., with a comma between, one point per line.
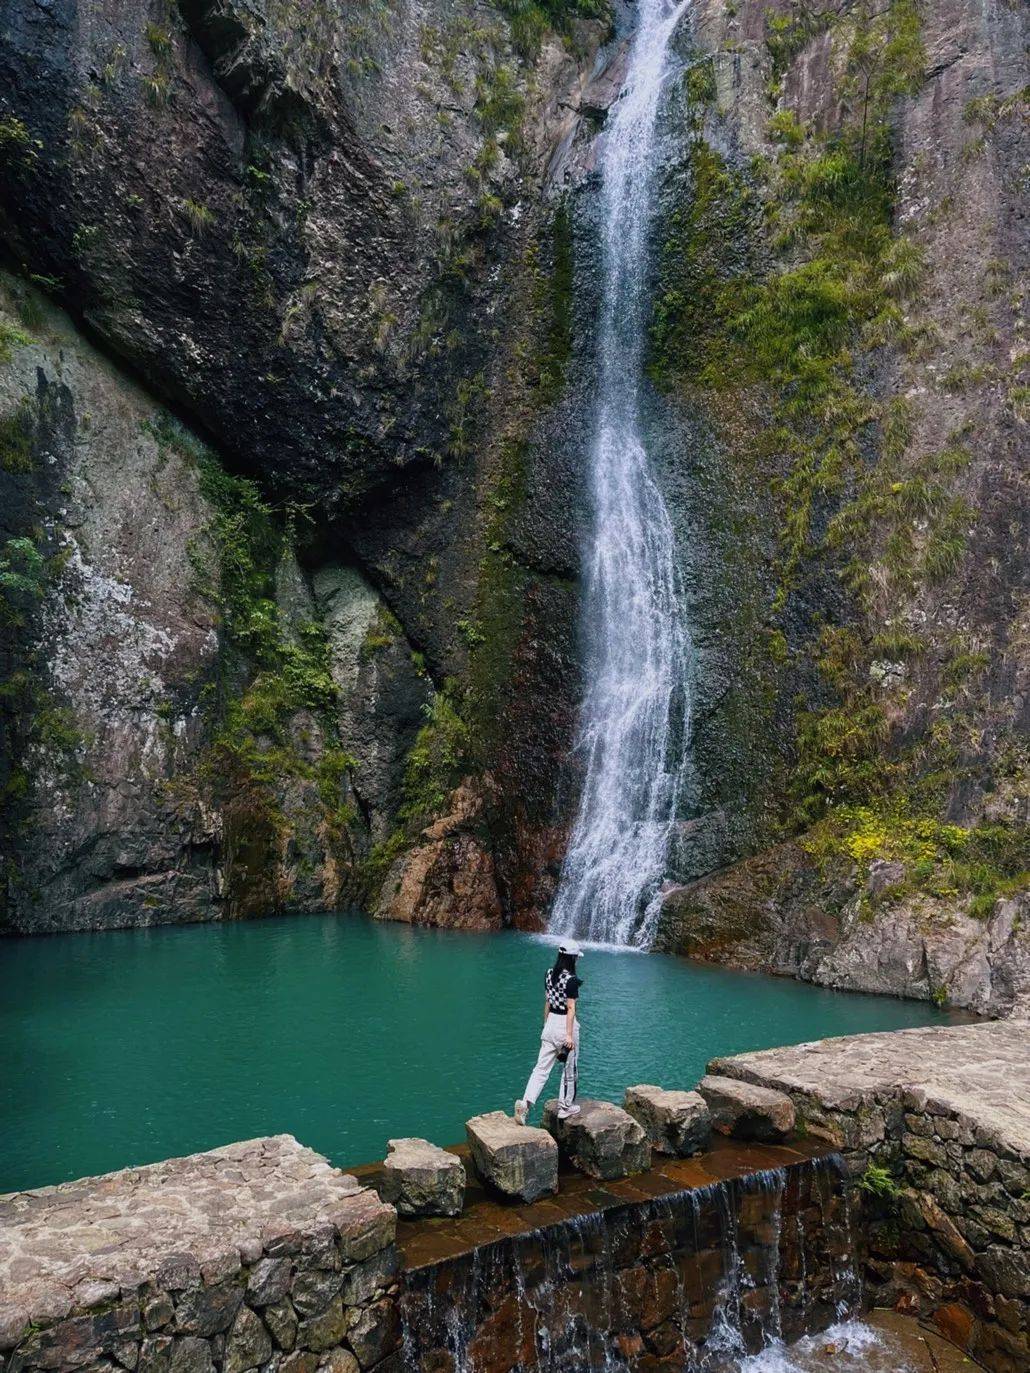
x=745, y=1111
x=678, y=1123
x=603, y=1140
x=422, y=1179
x=517, y=1160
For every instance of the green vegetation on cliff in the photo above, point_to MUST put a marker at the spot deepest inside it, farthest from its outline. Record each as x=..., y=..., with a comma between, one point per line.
x=531, y=19
x=273, y=702
x=782, y=284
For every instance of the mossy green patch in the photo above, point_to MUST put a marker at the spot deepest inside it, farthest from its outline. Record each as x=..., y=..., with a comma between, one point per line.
x=16, y=436
x=23, y=577
x=383, y=631
x=778, y=283
x=271, y=674
x=438, y=757
x=531, y=20
x=980, y=863
x=19, y=148
x=699, y=82
x=11, y=338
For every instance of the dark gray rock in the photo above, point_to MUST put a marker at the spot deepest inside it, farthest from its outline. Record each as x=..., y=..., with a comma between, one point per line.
x=178, y=1271
x=191, y=1355
x=1005, y=1270
x=281, y=1320
x=375, y=1332
x=421, y=1179
x=312, y=1292
x=517, y=1160
x=248, y=1345
x=603, y=1140
x=745, y=1110
x=365, y=1280
x=156, y=1310
x=322, y=1332
x=268, y=1282
x=207, y=1310
x=155, y=1354
x=676, y=1123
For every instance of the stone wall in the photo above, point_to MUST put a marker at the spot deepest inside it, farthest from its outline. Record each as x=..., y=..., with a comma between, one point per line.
x=935, y=1126
x=256, y=1255
x=661, y=1282
x=262, y=1256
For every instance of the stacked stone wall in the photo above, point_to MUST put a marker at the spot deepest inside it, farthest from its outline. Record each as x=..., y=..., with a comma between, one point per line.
x=262, y=1258
x=941, y=1169
x=285, y=1265
x=643, y=1285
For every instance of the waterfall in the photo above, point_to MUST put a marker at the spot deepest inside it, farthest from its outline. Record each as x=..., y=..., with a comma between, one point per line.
x=635, y=711
x=706, y=1278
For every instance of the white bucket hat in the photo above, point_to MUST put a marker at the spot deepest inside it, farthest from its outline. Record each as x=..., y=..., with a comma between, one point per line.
x=570, y=947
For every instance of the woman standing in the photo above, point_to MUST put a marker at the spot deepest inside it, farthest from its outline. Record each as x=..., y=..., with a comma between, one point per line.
x=560, y=1038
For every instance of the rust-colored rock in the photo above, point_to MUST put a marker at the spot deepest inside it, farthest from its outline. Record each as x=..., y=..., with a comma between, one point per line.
x=448, y=878
x=955, y=1322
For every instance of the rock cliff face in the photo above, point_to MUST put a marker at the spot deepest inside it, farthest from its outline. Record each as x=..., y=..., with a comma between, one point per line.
x=320, y=234
x=290, y=617
x=841, y=320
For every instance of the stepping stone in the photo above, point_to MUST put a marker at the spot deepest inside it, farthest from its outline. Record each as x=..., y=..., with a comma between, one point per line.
x=517, y=1160
x=677, y=1123
x=603, y=1141
x=745, y=1111
x=422, y=1179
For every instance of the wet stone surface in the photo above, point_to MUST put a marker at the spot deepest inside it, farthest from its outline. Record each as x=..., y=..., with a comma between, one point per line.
x=640, y=1270
x=518, y=1161
x=488, y=1218
x=421, y=1179
x=943, y=1117
x=678, y=1123
x=745, y=1110
x=603, y=1140
x=218, y=1259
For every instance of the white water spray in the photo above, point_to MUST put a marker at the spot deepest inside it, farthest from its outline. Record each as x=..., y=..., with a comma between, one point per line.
x=635, y=712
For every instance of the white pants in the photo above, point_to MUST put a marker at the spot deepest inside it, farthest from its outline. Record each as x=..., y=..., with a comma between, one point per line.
x=551, y=1041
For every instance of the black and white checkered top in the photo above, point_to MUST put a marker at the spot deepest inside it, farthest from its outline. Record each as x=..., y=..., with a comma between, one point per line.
x=560, y=990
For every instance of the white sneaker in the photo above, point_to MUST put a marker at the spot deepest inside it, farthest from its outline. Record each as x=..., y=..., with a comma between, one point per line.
x=564, y=1112
x=521, y=1111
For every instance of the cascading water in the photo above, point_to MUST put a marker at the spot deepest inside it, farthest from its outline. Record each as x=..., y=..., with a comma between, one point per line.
x=636, y=709
x=706, y=1278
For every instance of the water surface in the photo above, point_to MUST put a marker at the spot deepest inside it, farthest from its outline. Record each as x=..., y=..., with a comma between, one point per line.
x=131, y=1046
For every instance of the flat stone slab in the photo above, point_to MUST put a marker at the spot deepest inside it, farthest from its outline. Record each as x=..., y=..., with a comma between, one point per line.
x=603, y=1140
x=421, y=1179
x=977, y=1072
x=745, y=1110
x=517, y=1160
x=677, y=1123
x=179, y=1221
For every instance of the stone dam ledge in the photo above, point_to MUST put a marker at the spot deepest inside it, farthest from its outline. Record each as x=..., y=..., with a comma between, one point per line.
x=195, y=1222
x=978, y=1073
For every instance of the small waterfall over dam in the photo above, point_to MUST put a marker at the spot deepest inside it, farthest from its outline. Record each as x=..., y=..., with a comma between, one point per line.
x=635, y=714
x=692, y=1281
